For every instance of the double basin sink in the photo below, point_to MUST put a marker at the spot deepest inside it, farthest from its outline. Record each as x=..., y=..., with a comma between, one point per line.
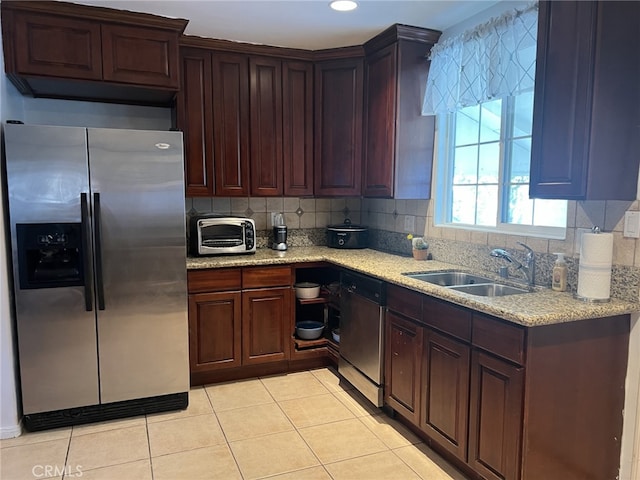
x=468, y=283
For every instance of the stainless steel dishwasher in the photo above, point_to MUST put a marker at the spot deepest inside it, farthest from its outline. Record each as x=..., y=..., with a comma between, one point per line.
x=362, y=334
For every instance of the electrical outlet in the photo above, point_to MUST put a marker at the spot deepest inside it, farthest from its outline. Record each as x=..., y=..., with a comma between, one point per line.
x=409, y=223
x=273, y=218
x=631, y=225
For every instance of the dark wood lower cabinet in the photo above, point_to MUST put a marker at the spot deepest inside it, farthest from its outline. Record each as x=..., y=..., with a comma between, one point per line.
x=214, y=330
x=495, y=417
x=265, y=325
x=403, y=366
x=239, y=322
x=574, y=405
x=445, y=392
x=506, y=402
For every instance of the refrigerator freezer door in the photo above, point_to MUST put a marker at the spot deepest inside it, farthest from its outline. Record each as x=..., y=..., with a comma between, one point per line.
x=47, y=171
x=137, y=176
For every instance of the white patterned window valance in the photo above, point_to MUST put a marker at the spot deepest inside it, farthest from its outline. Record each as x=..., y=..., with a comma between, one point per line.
x=494, y=60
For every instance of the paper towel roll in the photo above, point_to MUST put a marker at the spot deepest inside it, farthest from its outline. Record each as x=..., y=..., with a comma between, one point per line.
x=594, y=271
x=596, y=249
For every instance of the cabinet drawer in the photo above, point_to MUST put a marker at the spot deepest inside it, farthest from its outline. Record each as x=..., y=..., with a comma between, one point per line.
x=498, y=337
x=404, y=301
x=266, y=277
x=213, y=279
x=447, y=318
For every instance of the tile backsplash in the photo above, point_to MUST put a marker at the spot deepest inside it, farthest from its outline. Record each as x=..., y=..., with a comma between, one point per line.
x=306, y=218
x=390, y=221
x=298, y=212
x=471, y=248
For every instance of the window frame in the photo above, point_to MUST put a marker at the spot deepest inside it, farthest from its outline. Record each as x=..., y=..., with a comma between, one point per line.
x=443, y=175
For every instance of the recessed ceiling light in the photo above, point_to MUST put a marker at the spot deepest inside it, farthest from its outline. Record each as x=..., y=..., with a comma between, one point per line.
x=343, y=5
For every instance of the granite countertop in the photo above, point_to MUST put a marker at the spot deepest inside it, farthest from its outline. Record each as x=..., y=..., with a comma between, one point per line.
x=540, y=307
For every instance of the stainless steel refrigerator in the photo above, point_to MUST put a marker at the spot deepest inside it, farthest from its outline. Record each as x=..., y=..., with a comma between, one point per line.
x=98, y=247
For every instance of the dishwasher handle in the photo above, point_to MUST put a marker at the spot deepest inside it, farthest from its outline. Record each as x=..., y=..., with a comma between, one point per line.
x=364, y=286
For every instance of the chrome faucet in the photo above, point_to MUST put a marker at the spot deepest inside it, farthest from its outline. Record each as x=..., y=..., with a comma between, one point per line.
x=529, y=269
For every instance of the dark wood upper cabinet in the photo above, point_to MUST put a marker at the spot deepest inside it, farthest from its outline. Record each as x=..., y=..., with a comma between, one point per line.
x=247, y=120
x=230, y=83
x=139, y=55
x=586, y=117
x=265, y=87
x=213, y=112
x=398, y=140
x=195, y=119
x=338, y=127
x=56, y=46
x=65, y=50
x=297, y=119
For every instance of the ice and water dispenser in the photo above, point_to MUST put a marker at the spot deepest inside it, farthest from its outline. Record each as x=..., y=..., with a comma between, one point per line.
x=50, y=255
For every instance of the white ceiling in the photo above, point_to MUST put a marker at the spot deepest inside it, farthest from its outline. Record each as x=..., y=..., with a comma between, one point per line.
x=308, y=24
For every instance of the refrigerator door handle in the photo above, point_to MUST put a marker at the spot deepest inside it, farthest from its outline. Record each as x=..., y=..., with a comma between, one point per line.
x=86, y=257
x=97, y=228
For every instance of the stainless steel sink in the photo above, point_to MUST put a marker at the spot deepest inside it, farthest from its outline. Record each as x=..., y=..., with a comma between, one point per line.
x=489, y=289
x=468, y=283
x=448, y=279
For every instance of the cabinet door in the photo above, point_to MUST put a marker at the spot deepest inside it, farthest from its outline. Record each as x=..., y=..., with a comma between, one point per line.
x=403, y=353
x=230, y=82
x=297, y=121
x=587, y=102
x=338, y=127
x=495, y=417
x=266, y=319
x=380, y=123
x=214, y=331
x=142, y=56
x=195, y=119
x=415, y=133
x=57, y=46
x=399, y=140
x=562, y=98
x=265, y=83
x=445, y=392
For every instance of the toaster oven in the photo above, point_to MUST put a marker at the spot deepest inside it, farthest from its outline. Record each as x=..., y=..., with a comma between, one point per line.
x=214, y=234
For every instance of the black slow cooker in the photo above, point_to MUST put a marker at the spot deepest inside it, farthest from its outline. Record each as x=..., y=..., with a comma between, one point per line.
x=347, y=235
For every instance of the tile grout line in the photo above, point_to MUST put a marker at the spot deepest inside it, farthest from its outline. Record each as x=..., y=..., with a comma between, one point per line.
x=66, y=457
x=227, y=443
x=393, y=450
x=146, y=428
x=209, y=399
x=297, y=430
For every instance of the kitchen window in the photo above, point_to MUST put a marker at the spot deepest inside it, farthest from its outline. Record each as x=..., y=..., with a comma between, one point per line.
x=480, y=87
x=483, y=171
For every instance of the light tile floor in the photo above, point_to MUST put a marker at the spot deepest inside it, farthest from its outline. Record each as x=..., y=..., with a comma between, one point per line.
x=299, y=426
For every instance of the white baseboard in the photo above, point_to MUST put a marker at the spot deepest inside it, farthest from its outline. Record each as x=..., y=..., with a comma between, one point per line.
x=10, y=431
